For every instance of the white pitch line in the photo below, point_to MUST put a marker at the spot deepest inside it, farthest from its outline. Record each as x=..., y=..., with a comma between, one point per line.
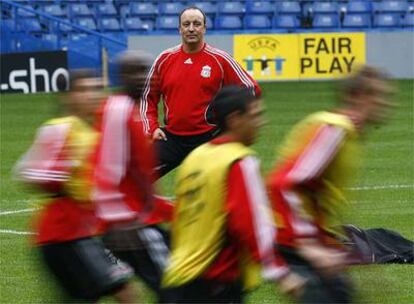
x=381, y=187
x=8, y=231
x=17, y=211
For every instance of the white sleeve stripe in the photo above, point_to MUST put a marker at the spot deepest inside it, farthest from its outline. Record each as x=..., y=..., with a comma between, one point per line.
x=147, y=87
x=263, y=225
x=236, y=67
x=318, y=154
x=300, y=225
x=246, y=81
x=114, y=153
x=44, y=173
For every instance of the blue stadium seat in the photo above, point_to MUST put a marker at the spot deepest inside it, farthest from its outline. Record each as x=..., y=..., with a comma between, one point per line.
x=124, y=11
x=170, y=8
x=387, y=21
x=358, y=21
x=288, y=7
x=79, y=10
x=208, y=8
x=230, y=8
x=257, y=22
x=148, y=24
x=359, y=7
x=225, y=22
x=391, y=6
x=24, y=13
x=209, y=23
x=167, y=23
x=142, y=9
x=408, y=20
x=259, y=7
x=324, y=7
x=106, y=9
x=64, y=28
x=133, y=24
x=110, y=25
x=54, y=10
x=326, y=21
x=8, y=24
x=86, y=22
x=285, y=22
x=30, y=25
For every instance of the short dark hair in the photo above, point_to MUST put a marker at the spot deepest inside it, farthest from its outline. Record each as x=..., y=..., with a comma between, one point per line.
x=74, y=76
x=193, y=7
x=358, y=82
x=229, y=100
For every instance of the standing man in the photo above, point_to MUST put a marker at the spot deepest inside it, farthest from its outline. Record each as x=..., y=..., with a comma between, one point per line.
x=316, y=163
x=124, y=191
x=186, y=78
x=58, y=163
x=221, y=227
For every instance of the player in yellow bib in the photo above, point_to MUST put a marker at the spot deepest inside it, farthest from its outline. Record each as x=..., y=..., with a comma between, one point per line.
x=222, y=230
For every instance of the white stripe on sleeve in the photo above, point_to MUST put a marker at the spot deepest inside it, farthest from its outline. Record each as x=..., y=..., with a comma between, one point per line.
x=263, y=225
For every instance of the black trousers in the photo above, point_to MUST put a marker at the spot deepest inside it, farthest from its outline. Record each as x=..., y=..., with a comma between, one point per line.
x=145, y=249
x=205, y=291
x=83, y=268
x=318, y=288
x=171, y=152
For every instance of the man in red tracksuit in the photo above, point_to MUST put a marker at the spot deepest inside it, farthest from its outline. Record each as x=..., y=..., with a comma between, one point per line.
x=124, y=192
x=186, y=78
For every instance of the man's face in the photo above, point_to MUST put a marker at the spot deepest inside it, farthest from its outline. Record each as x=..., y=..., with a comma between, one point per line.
x=247, y=124
x=192, y=27
x=85, y=96
x=376, y=102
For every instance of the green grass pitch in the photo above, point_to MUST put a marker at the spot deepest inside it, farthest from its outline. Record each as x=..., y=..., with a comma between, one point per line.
x=384, y=197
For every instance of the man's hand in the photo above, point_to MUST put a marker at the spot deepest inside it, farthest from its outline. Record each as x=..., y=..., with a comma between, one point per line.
x=292, y=284
x=159, y=135
x=326, y=260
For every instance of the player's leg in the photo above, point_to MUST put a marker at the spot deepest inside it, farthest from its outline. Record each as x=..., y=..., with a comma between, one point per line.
x=85, y=272
x=169, y=154
x=145, y=249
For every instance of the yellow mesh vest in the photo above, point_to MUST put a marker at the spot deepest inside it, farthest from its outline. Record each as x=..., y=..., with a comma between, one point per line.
x=339, y=172
x=80, y=143
x=198, y=229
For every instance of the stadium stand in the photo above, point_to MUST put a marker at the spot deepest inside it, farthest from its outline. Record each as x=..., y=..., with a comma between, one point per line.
x=54, y=21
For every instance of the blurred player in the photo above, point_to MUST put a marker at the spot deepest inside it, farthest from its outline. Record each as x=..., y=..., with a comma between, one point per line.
x=59, y=163
x=221, y=224
x=124, y=191
x=317, y=161
x=187, y=77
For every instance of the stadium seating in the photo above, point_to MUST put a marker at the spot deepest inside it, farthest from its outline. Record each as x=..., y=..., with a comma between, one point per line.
x=54, y=10
x=324, y=7
x=106, y=10
x=326, y=21
x=257, y=22
x=386, y=21
x=408, y=20
x=288, y=7
x=228, y=23
x=170, y=8
x=359, y=7
x=110, y=25
x=142, y=9
x=167, y=23
x=259, y=7
x=230, y=8
x=79, y=10
x=391, y=6
x=89, y=23
x=356, y=21
x=208, y=8
x=288, y=22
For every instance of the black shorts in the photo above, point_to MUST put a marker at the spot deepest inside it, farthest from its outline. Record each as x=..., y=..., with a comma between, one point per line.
x=205, y=291
x=145, y=249
x=84, y=269
x=171, y=152
x=318, y=289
